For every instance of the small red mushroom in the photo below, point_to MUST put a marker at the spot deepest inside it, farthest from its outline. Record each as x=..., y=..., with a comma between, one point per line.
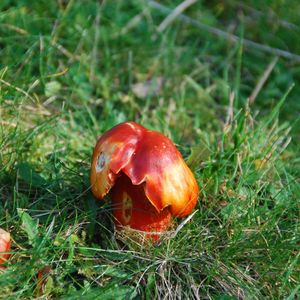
x=5, y=244
x=149, y=179
x=42, y=279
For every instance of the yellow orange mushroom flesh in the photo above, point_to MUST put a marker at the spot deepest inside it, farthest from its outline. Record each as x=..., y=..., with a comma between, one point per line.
x=5, y=244
x=149, y=181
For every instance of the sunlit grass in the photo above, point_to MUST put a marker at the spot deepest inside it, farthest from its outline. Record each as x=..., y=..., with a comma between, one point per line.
x=71, y=71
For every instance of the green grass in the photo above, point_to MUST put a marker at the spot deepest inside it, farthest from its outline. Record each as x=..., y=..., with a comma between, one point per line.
x=69, y=72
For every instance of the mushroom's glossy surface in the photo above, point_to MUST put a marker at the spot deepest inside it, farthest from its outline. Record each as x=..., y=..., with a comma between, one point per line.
x=150, y=180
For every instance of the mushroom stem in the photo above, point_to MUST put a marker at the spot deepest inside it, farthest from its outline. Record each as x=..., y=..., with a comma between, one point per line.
x=132, y=208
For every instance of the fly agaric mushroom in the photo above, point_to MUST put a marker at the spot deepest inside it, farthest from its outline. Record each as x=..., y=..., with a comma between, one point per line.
x=149, y=179
x=4, y=246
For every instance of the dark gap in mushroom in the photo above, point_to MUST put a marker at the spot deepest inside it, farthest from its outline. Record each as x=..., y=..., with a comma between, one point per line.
x=131, y=207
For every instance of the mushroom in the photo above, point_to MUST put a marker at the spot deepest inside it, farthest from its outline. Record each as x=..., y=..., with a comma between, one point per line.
x=42, y=278
x=149, y=179
x=4, y=246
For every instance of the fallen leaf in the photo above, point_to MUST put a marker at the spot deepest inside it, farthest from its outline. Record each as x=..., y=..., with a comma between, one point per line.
x=148, y=88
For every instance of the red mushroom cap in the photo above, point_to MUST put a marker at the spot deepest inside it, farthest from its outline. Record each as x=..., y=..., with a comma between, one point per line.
x=4, y=245
x=146, y=157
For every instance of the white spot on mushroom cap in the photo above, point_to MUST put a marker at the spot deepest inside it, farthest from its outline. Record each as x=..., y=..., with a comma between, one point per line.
x=101, y=160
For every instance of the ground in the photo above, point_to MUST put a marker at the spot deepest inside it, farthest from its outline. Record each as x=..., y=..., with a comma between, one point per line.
x=72, y=69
